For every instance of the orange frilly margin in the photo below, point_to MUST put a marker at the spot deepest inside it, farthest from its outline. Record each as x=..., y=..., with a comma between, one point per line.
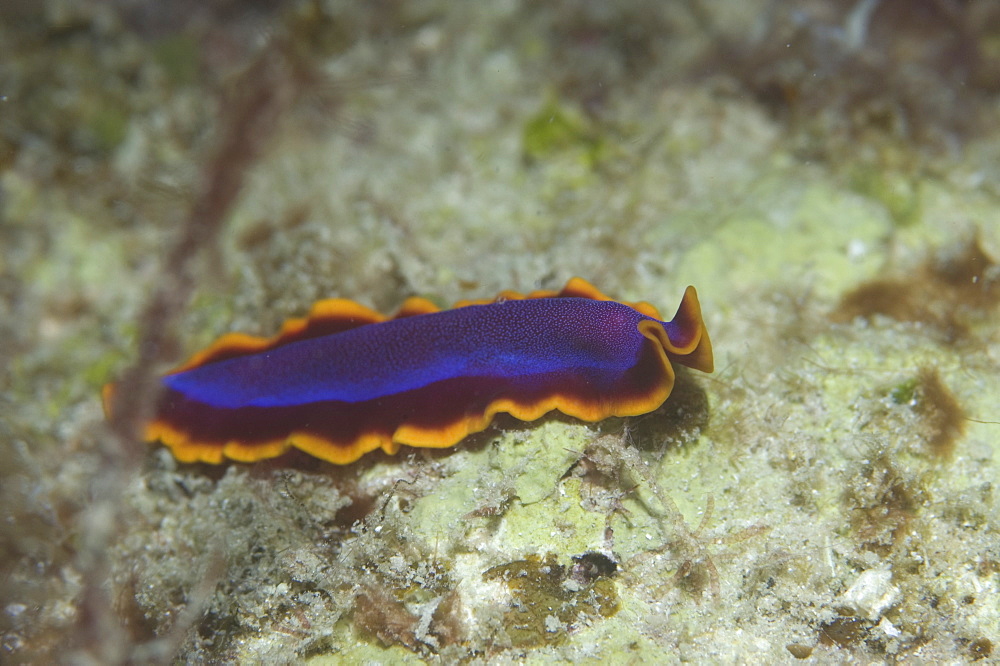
x=334, y=315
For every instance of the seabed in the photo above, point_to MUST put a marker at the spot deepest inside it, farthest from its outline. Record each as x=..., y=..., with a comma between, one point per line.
x=826, y=178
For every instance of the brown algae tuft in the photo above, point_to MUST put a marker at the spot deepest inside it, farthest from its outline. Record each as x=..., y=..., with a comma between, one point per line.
x=945, y=292
x=549, y=601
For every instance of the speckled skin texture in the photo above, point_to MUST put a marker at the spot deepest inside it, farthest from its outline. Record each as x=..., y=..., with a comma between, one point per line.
x=520, y=342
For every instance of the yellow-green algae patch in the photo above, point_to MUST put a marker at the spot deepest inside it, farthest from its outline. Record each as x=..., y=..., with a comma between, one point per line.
x=556, y=129
x=816, y=234
x=520, y=469
x=558, y=523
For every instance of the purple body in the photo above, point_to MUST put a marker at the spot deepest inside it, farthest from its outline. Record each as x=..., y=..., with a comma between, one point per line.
x=524, y=342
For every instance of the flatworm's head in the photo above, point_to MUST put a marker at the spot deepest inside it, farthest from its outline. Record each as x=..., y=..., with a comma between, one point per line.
x=346, y=380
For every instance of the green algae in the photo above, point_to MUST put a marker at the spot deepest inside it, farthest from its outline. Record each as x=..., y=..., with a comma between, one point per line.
x=179, y=57
x=556, y=129
x=904, y=392
x=899, y=193
x=105, y=123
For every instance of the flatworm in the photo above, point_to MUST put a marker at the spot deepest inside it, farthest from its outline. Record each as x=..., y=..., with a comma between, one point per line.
x=347, y=380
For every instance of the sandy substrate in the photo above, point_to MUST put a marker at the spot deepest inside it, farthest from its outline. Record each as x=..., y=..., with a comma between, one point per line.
x=829, y=493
